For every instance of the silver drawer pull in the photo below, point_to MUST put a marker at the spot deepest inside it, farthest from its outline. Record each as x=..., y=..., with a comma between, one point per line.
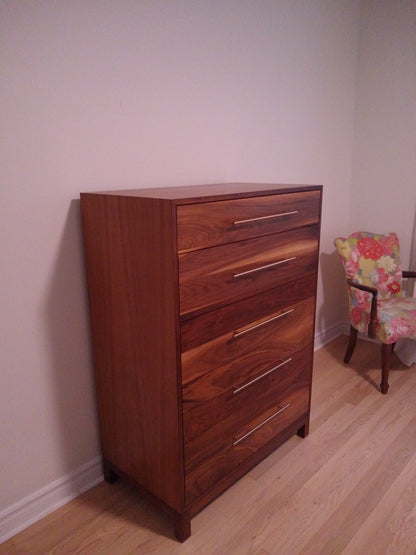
x=249, y=220
x=251, y=328
x=236, y=441
x=238, y=389
x=260, y=268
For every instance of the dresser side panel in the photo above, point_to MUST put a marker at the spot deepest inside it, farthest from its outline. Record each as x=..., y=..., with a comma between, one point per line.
x=130, y=246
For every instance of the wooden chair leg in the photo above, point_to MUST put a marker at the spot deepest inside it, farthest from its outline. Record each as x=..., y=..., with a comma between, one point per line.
x=386, y=351
x=351, y=344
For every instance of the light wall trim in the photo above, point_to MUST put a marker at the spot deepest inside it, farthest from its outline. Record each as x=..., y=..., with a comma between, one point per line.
x=32, y=508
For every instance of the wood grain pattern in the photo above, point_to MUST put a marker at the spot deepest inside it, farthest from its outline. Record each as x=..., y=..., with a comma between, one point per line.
x=171, y=330
x=241, y=359
x=203, y=225
x=221, y=431
x=208, y=277
x=136, y=379
x=215, y=397
x=190, y=194
x=212, y=455
x=211, y=324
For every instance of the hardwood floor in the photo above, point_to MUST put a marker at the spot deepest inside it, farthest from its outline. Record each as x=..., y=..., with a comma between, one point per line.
x=348, y=488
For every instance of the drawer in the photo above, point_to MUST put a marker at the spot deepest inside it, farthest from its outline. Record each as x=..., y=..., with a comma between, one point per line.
x=203, y=328
x=223, y=393
x=214, y=223
x=216, y=275
x=214, y=454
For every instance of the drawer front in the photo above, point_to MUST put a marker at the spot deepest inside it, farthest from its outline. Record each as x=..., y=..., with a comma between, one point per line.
x=215, y=453
x=214, y=223
x=223, y=393
x=213, y=276
x=200, y=329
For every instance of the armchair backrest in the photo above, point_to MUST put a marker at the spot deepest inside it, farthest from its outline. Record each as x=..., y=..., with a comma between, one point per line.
x=374, y=260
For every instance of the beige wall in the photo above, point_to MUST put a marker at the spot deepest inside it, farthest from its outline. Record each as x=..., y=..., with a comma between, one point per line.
x=115, y=94
x=383, y=193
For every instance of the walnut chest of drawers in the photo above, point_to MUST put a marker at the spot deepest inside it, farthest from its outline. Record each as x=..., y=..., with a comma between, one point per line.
x=202, y=305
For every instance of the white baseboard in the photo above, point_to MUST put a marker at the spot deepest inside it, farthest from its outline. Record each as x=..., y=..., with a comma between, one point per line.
x=25, y=512
x=325, y=336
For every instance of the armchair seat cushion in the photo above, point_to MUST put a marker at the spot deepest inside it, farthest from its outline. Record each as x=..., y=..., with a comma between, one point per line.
x=396, y=319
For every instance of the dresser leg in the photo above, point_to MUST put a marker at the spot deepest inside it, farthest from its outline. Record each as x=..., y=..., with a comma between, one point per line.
x=182, y=526
x=109, y=475
x=304, y=430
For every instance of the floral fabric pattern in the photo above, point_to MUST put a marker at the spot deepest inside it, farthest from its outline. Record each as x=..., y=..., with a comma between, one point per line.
x=374, y=260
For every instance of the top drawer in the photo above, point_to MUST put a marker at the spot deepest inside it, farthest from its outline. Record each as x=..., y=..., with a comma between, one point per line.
x=213, y=223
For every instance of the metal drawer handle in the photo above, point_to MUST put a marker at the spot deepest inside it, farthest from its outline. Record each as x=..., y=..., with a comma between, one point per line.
x=249, y=220
x=259, y=268
x=251, y=328
x=236, y=441
x=238, y=389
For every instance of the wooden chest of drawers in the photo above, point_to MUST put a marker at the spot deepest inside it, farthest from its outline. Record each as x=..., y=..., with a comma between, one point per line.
x=202, y=304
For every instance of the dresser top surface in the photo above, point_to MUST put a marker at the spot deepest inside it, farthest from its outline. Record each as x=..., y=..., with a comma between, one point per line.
x=194, y=193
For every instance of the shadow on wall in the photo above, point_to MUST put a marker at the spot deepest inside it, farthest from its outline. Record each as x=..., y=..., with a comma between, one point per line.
x=335, y=299
x=66, y=308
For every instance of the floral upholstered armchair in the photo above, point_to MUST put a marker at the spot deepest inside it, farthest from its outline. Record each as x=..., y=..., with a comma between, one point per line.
x=376, y=305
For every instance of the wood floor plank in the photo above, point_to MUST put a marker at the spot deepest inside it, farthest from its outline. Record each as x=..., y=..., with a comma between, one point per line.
x=309, y=509
x=391, y=526
x=349, y=488
x=345, y=522
x=288, y=476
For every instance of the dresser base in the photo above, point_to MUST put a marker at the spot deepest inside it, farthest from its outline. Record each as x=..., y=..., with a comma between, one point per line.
x=182, y=520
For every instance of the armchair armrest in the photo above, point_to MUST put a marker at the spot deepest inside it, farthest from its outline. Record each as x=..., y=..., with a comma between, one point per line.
x=373, y=312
